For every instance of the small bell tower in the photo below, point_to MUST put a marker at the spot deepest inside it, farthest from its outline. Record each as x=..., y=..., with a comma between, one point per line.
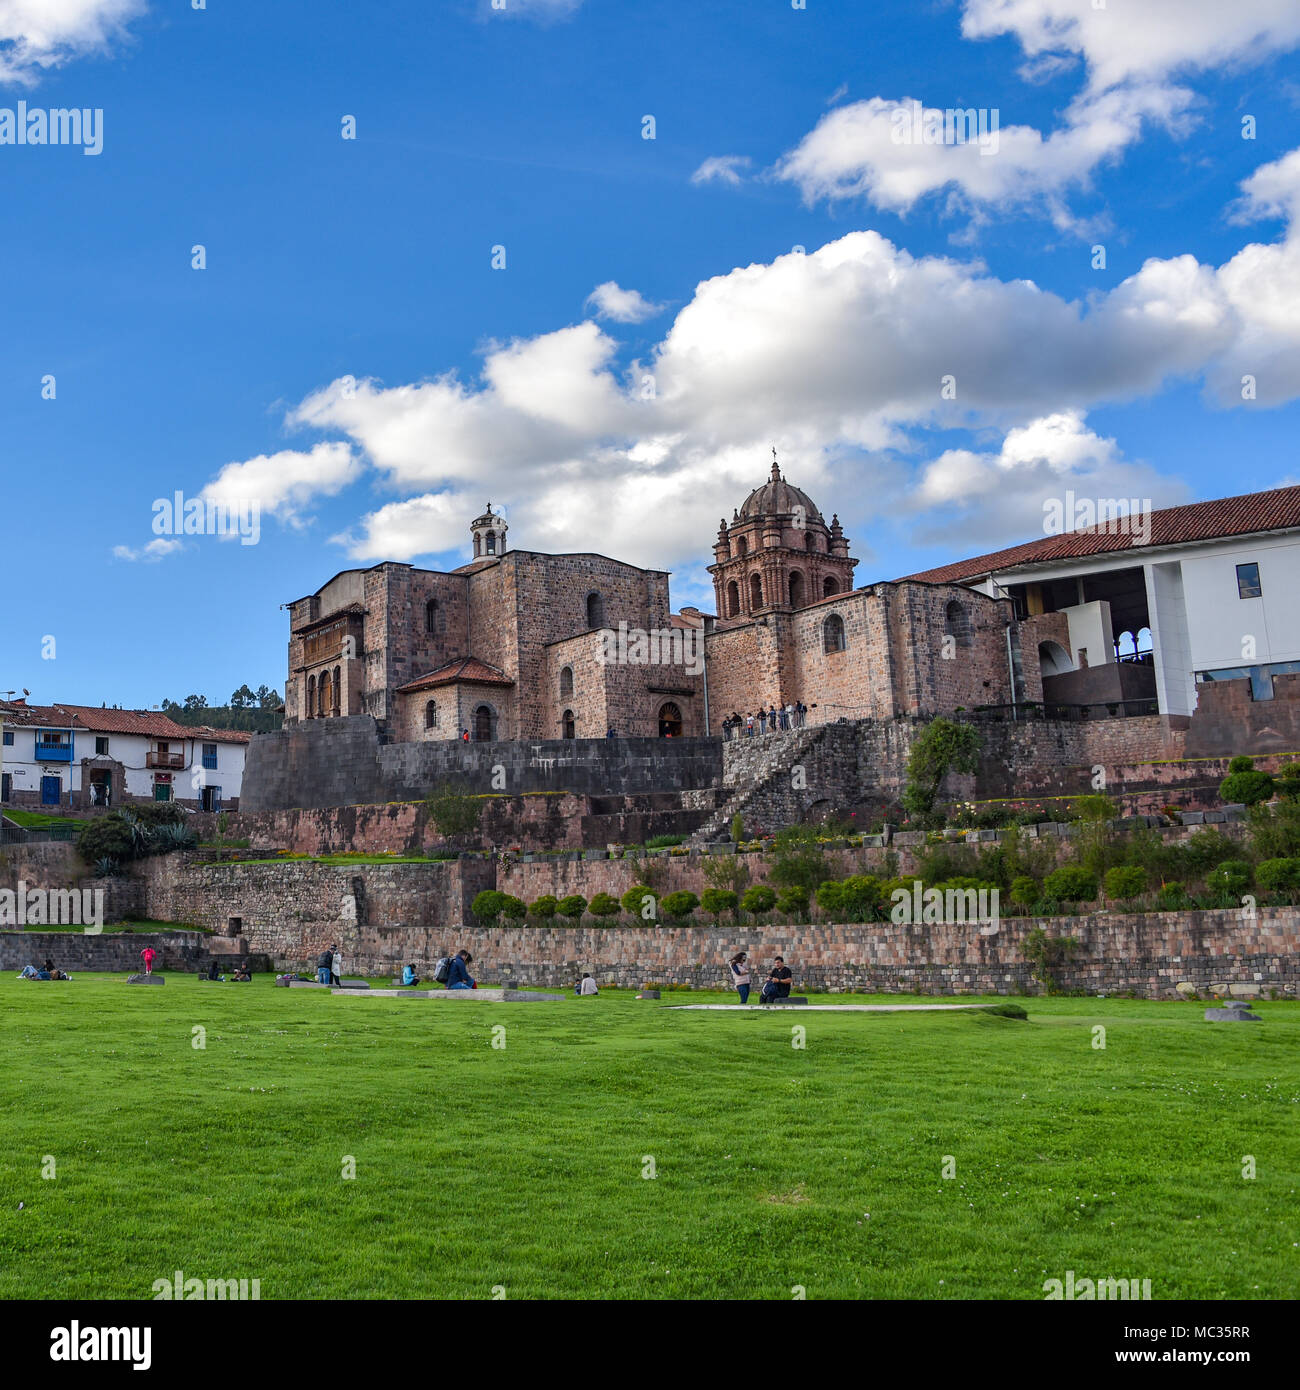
x=489, y=532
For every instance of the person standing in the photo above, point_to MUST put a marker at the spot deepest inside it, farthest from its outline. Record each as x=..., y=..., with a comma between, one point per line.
x=749, y=726
x=324, y=966
x=336, y=967
x=147, y=955
x=738, y=967
x=587, y=986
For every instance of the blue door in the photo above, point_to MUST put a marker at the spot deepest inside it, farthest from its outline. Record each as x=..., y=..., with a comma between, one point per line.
x=51, y=790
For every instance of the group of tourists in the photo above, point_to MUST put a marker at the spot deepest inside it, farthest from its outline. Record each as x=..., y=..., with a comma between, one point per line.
x=47, y=971
x=775, y=987
x=329, y=966
x=765, y=721
x=452, y=972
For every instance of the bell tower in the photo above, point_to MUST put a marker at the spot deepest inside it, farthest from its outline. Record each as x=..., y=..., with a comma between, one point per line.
x=489, y=532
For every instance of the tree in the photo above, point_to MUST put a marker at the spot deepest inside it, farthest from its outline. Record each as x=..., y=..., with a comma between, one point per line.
x=679, y=905
x=195, y=702
x=604, y=905
x=1071, y=883
x=716, y=901
x=543, y=908
x=243, y=698
x=267, y=698
x=513, y=909
x=640, y=901
x=940, y=748
x=798, y=859
x=107, y=837
x=1244, y=785
x=760, y=899
x=793, y=902
x=572, y=907
x=488, y=906
x=1125, y=881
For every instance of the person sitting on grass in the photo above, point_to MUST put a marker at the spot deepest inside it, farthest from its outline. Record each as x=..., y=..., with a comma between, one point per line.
x=212, y=972
x=458, y=976
x=242, y=974
x=28, y=972
x=586, y=986
x=409, y=977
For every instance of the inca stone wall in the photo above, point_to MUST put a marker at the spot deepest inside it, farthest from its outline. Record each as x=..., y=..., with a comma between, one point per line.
x=341, y=762
x=111, y=951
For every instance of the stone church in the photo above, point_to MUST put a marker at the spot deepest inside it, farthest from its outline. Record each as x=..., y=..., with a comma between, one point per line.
x=517, y=644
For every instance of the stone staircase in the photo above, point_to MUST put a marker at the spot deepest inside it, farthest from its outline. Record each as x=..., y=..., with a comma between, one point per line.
x=757, y=778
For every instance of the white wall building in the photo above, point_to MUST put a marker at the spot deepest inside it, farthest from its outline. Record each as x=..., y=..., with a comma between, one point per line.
x=77, y=756
x=1204, y=592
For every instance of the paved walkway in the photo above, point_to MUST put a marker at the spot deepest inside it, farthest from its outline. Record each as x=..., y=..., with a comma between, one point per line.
x=842, y=1008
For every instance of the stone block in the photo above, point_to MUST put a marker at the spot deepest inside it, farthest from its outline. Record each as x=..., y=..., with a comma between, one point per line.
x=145, y=980
x=1234, y=1013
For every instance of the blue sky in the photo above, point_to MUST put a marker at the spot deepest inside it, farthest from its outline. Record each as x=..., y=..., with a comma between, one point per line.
x=350, y=359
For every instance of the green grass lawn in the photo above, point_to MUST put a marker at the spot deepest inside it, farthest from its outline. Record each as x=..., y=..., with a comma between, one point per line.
x=144, y=925
x=43, y=820
x=522, y=1166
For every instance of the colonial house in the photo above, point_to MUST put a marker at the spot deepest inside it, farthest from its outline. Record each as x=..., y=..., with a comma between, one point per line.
x=79, y=757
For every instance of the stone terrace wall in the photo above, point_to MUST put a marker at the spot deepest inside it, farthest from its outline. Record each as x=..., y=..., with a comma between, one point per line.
x=1146, y=955
x=114, y=951
x=341, y=762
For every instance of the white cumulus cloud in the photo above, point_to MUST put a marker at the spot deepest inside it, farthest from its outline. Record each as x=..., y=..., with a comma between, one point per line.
x=611, y=301
x=37, y=35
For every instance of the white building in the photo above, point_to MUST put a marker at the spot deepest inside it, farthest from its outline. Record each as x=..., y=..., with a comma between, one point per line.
x=77, y=757
x=1161, y=601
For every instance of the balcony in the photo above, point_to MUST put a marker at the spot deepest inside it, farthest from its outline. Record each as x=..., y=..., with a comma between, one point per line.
x=47, y=752
x=172, y=761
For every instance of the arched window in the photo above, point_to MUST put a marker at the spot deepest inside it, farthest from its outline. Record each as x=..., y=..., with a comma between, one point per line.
x=742, y=546
x=431, y=616
x=323, y=698
x=833, y=634
x=829, y=586
x=956, y=623
x=796, y=590
x=484, y=724
x=810, y=541
x=670, y=721
x=491, y=542
x=431, y=715
x=755, y=593
x=311, y=697
x=595, y=612
x=733, y=599
x=568, y=725
x=336, y=693
x=566, y=682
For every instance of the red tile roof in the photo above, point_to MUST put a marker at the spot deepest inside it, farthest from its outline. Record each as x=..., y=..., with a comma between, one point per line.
x=148, y=723
x=19, y=712
x=1253, y=512
x=468, y=669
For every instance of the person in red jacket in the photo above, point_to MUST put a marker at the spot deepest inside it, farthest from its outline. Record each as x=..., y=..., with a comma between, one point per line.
x=148, y=955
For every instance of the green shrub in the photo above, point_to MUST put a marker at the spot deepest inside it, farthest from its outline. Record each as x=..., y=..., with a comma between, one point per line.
x=941, y=747
x=1288, y=782
x=1241, y=763
x=737, y=828
x=1016, y=1011
x=1206, y=848
x=860, y=897
x=1125, y=881
x=604, y=905
x=488, y=906
x=1248, y=788
x=641, y=902
x=830, y=897
x=1024, y=891
x=513, y=909
x=759, y=899
x=679, y=905
x=664, y=841
x=1071, y=883
x=572, y=907
x=107, y=837
x=1278, y=875
x=1274, y=830
x=793, y=902
x=1048, y=953
x=716, y=901
x=543, y=908
x=1232, y=876
x=1094, y=808
x=1173, y=897
x=454, y=810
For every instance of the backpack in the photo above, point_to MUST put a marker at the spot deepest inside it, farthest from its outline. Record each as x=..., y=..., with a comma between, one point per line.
x=442, y=970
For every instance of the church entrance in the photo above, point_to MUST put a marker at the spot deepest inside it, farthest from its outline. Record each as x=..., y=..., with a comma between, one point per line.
x=484, y=722
x=570, y=728
x=670, y=721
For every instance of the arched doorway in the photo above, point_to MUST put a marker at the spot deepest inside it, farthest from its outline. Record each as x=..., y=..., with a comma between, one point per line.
x=569, y=725
x=484, y=724
x=670, y=721
x=1053, y=659
x=323, y=696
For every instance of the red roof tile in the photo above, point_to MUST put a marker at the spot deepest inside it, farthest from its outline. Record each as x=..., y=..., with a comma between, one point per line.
x=1253, y=512
x=467, y=669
